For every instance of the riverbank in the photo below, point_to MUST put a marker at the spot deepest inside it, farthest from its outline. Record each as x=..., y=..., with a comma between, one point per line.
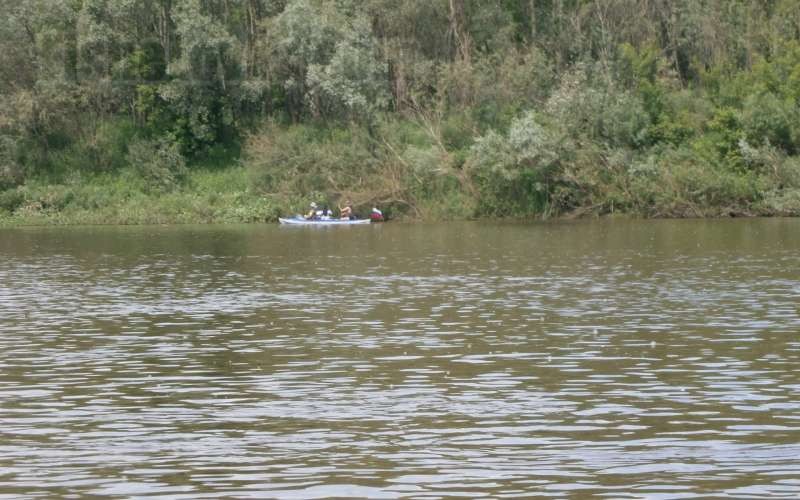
x=207, y=196
x=528, y=171
x=223, y=196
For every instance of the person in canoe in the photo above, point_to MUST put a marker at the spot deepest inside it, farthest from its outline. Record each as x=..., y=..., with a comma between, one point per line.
x=312, y=212
x=346, y=212
x=376, y=215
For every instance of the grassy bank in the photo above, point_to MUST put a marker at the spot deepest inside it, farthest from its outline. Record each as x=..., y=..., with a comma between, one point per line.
x=414, y=170
x=410, y=182
x=215, y=196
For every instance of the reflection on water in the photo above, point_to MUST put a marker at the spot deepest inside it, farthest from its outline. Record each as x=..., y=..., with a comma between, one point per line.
x=656, y=359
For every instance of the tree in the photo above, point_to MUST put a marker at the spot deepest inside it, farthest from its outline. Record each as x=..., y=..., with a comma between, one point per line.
x=352, y=84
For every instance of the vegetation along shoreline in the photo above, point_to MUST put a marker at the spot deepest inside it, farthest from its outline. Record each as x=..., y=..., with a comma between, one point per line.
x=206, y=111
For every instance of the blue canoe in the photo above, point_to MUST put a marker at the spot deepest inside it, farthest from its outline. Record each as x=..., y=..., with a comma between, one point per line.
x=300, y=221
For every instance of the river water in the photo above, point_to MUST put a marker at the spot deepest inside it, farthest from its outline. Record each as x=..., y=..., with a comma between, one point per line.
x=626, y=359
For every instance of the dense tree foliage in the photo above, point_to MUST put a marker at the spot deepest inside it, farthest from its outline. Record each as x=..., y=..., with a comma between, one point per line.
x=429, y=107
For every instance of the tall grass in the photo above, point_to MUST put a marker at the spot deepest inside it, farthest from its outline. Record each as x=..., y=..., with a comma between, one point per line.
x=206, y=196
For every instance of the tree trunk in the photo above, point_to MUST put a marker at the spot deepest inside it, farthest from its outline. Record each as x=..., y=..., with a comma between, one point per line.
x=71, y=53
x=557, y=22
x=604, y=39
x=250, y=50
x=458, y=30
x=165, y=30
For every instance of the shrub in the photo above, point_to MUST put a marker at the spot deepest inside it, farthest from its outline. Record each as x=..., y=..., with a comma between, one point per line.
x=516, y=173
x=105, y=149
x=159, y=162
x=719, y=144
x=424, y=163
x=597, y=110
x=785, y=203
x=309, y=160
x=458, y=131
x=766, y=119
x=56, y=197
x=11, y=174
x=11, y=199
x=787, y=173
x=675, y=183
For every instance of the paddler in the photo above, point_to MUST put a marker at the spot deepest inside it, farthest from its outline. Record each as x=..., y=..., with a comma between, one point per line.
x=376, y=215
x=346, y=212
x=312, y=213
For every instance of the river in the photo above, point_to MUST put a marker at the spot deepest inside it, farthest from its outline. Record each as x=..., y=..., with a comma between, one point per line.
x=626, y=359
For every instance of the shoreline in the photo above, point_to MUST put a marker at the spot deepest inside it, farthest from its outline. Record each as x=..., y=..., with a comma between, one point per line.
x=58, y=220
x=226, y=196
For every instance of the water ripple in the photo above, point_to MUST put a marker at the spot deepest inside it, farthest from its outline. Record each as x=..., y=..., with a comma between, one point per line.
x=481, y=361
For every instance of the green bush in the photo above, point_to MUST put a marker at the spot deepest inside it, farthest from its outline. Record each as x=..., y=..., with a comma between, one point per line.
x=11, y=200
x=308, y=160
x=458, y=131
x=766, y=119
x=442, y=198
x=516, y=173
x=719, y=143
x=787, y=173
x=159, y=162
x=56, y=198
x=682, y=114
x=677, y=184
x=11, y=174
x=598, y=110
x=105, y=149
x=780, y=202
